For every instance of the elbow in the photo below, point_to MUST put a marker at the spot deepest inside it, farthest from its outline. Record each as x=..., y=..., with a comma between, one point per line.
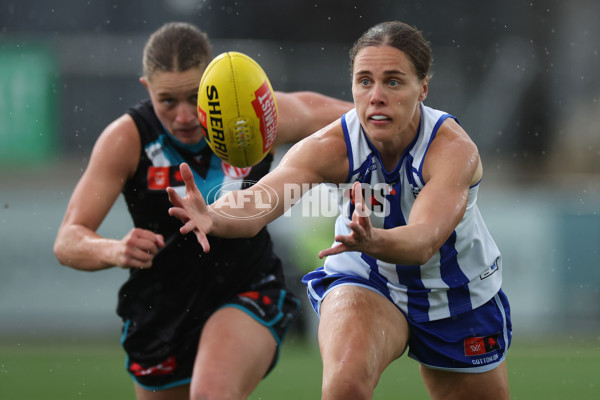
x=60, y=253
x=239, y=232
x=424, y=248
x=252, y=230
x=422, y=254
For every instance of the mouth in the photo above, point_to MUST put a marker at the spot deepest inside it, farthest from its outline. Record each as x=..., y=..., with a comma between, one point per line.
x=379, y=118
x=188, y=135
x=190, y=131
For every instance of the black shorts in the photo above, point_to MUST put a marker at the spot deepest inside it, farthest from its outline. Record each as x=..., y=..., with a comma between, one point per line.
x=164, y=309
x=270, y=306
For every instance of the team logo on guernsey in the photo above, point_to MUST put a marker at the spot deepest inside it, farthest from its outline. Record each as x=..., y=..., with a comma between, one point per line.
x=159, y=178
x=475, y=346
x=415, y=191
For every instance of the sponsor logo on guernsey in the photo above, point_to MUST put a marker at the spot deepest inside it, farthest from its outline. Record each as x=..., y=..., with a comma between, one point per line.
x=476, y=346
x=375, y=197
x=264, y=106
x=163, y=368
x=361, y=176
x=493, y=268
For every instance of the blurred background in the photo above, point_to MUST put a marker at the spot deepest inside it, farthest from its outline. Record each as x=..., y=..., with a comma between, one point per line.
x=522, y=78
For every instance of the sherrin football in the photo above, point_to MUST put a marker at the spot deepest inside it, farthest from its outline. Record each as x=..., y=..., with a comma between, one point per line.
x=237, y=109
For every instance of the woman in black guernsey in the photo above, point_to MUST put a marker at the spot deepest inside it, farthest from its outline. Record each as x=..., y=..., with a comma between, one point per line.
x=196, y=324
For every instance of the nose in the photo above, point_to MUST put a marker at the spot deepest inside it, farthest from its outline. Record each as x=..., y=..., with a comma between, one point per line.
x=186, y=113
x=377, y=94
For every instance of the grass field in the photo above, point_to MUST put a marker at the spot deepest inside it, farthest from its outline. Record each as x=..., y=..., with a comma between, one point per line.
x=566, y=369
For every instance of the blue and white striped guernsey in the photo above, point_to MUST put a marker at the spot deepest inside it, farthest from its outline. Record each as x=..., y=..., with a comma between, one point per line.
x=464, y=274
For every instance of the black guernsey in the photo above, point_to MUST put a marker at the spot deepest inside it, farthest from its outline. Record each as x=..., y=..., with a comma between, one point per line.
x=184, y=286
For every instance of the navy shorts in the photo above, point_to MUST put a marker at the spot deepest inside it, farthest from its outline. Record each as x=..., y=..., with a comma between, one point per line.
x=270, y=305
x=473, y=342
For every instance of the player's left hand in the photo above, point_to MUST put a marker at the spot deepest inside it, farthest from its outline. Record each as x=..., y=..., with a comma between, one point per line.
x=362, y=231
x=191, y=209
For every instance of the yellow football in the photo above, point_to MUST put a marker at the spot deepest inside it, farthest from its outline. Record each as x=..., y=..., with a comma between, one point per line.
x=237, y=109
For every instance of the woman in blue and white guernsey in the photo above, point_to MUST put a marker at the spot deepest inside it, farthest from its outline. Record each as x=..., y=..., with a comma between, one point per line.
x=413, y=267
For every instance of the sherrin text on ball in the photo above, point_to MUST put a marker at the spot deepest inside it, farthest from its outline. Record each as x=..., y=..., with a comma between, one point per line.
x=237, y=109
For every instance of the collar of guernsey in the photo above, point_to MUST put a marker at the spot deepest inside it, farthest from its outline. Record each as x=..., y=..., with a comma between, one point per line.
x=208, y=186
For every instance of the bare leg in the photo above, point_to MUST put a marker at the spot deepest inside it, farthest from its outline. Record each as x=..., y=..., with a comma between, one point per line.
x=491, y=385
x=360, y=334
x=234, y=354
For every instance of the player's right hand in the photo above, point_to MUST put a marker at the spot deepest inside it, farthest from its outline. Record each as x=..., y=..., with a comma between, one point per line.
x=191, y=209
x=138, y=248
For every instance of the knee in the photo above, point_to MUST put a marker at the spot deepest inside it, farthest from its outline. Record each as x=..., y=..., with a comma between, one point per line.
x=346, y=390
x=215, y=392
x=349, y=381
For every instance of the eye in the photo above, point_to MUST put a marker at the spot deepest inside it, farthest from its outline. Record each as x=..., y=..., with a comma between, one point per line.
x=194, y=98
x=394, y=82
x=364, y=82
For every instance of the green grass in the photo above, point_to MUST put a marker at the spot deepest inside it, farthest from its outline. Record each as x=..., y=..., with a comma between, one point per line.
x=566, y=369
x=58, y=370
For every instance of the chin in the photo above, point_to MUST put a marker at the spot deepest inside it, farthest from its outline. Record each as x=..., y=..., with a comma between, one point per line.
x=381, y=134
x=189, y=139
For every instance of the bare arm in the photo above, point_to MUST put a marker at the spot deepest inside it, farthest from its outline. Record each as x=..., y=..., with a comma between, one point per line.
x=452, y=165
x=318, y=158
x=114, y=159
x=303, y=113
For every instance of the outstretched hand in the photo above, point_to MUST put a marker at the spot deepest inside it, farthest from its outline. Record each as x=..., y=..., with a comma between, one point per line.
x=361, y=236
x=191, y=209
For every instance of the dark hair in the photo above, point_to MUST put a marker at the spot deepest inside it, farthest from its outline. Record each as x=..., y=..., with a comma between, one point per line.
x=176, y=47
x=401, y=36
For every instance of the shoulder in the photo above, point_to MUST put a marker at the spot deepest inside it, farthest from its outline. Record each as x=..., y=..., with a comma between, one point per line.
x=119, y=145
x=452, y=136
x=452, y=146
x=120, y=132
x=330, y=138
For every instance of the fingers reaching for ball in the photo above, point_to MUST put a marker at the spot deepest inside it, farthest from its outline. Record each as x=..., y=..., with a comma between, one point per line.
x=191, y=209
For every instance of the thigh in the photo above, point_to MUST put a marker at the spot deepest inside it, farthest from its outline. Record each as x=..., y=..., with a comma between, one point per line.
x=447, y=385
x=234, y=354
x=361, y=326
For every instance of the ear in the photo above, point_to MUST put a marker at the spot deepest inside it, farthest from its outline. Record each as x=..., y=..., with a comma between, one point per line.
x=144, y=82
x=424, y=89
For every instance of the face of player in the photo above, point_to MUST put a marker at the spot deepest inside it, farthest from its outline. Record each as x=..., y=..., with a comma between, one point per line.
x=387, y=93
x=174, y=97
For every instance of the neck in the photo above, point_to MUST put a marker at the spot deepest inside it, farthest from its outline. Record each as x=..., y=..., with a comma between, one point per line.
x=192, y=148
x=392, y=152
